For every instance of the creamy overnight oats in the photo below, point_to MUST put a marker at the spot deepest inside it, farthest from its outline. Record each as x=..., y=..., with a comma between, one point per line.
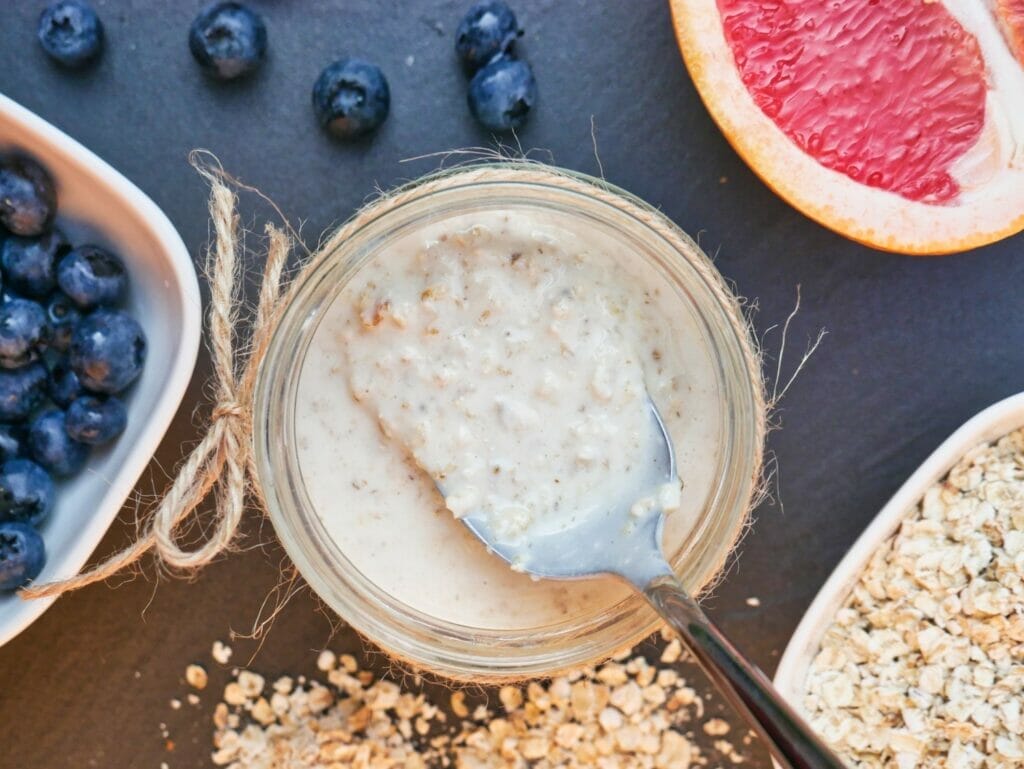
x=505, y=358
x=496, y=336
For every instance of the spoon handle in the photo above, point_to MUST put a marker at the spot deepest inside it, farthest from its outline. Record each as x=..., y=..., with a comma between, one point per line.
x=751, y=694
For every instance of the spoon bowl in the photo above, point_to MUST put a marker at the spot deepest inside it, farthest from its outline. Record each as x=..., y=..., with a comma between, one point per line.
x=614, y=541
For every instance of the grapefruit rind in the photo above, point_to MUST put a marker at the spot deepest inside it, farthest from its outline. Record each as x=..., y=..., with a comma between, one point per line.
x=878, y=218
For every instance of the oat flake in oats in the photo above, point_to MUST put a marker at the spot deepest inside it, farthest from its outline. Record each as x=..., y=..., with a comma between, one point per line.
x=923, y=666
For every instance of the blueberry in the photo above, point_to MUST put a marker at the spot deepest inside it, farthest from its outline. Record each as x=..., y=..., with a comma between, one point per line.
x=30, y=264
x=12, y=442
x=22, y=555
x=62, y=316
x=488, y=30
x=502, y=94
x=70, y=32
x=26, y=492
x=24, y=332
x=28, y=197
x=51, y=445
x=63, y=385
x=96, y=420
x=108, y=349
x=92, y=276
x=21, y=391
x=351, y=98
x=228, y=40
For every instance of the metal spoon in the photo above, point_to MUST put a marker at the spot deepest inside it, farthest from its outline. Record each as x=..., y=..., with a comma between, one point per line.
x=621, y=544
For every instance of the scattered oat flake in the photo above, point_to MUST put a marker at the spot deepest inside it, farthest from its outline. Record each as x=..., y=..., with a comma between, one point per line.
x=326, y=661
x=356, y=720
x=221, y=652
x=673, y=651
x=754, y=601
x=716, y=727
x=195, y=676
x=175, y=704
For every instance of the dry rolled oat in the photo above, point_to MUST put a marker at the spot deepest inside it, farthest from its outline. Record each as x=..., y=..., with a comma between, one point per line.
x=617, y=715
x=924, y=664
x=195, y=676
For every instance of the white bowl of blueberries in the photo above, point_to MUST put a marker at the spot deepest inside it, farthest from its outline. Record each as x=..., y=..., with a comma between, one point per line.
x=99, y=330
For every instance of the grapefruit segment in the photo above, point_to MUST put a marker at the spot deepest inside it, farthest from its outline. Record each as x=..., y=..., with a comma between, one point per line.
x=899, y=123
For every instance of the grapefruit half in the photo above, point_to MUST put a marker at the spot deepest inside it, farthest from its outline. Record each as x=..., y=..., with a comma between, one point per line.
x=897, y=123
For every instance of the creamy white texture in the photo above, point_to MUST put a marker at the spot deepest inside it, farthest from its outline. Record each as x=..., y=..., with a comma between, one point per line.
x=384, y=512
x=510, y=371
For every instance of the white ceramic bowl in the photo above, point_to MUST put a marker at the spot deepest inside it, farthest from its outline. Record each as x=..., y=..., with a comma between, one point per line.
x=164, y=297
x=998, y=420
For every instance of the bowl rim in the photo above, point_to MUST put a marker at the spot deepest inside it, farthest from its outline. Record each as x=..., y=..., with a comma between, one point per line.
x=991, y=423
x=36, y=130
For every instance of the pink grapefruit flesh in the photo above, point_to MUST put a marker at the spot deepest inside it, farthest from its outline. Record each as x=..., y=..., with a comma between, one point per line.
x=898, y=123
x=906, y=102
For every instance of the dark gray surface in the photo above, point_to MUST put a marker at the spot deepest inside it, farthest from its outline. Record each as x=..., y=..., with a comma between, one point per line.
x=915, y=346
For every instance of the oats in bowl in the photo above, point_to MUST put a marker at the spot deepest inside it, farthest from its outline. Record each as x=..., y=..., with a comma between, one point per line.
x=923, y=664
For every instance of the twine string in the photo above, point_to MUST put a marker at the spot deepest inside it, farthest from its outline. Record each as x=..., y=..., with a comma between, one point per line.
x=223, y=459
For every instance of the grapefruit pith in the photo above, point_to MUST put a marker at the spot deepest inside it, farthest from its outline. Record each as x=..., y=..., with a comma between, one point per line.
x=898, y=123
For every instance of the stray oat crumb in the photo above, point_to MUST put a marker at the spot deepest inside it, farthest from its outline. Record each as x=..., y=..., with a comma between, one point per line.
x=221, y=652
x=754, y=601
x=196, y=677
x=672, y=652
x=326, y=661
x=175, y=704
x=716, y=727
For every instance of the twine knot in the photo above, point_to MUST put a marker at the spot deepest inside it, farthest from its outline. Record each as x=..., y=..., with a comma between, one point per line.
x=222, y=460
x=231, y=409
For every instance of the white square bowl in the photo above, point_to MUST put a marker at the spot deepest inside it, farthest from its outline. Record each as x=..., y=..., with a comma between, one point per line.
x=163, y=297
x=992, y=423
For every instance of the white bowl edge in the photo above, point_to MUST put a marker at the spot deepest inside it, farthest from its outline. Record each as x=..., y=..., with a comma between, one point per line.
x=992, y=423
x=152, y=415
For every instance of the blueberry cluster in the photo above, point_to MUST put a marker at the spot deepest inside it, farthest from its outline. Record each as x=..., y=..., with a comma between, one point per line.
x=66, y=355
x=503, y=90
x=351, y=97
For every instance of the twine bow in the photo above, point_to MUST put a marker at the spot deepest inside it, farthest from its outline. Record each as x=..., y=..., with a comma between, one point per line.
x=222, y=460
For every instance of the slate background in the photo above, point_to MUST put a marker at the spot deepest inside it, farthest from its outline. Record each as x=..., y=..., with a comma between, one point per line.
x=915, y=346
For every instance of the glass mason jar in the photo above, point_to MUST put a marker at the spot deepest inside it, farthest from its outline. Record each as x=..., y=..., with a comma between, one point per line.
x=719, y=338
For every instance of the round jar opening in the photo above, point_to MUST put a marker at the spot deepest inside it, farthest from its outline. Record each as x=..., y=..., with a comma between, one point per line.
x=368, y=529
